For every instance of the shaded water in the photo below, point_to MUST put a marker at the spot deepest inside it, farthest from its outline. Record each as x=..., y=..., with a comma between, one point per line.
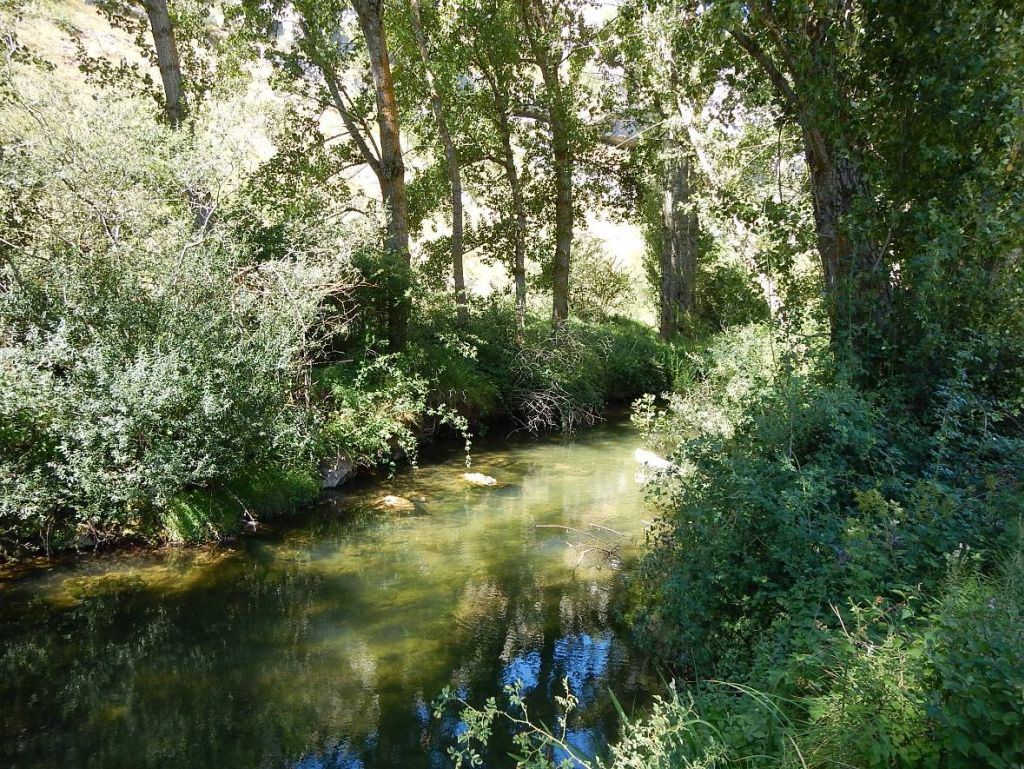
x=323, y=643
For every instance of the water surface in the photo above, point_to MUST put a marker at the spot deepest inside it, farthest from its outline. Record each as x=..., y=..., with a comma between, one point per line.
x=322, y=642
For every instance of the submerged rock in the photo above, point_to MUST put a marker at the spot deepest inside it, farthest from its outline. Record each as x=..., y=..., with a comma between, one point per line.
x=391, y=502
x=652, y=460
x=479, y=479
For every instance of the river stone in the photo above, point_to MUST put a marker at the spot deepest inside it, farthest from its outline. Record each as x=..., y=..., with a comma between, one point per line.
x=479, y=479
x=334, y=472
x=650, y=463
x=652, y=460
x=391, y=502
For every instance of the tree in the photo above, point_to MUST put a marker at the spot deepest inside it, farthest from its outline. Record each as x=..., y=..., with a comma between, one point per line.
x=653, y=98
x=493, y=33
x=161, y=49
x=679, y=232
x=543, y=25
x=451, y=158
x=323, y=46
x=390, y=167
x=166, y=48
x=871, y=86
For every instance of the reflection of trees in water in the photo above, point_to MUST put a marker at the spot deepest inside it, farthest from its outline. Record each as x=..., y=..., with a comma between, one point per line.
x=322, y=646
x=550, y=633
x=269, y=667
x=219, y=676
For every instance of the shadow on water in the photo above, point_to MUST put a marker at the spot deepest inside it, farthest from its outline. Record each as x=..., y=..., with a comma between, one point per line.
x=323, y=643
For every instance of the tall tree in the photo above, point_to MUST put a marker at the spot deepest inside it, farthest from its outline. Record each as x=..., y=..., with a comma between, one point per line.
x=808, y=57
x=543, y=24
x=323, y=46
x=492, y=28
x=390, y=165
x=451, y=154
x=652, y=98
x=809, y=85
x=678, y=242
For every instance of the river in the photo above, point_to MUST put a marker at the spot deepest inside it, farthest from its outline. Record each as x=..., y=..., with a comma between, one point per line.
x=322, y=640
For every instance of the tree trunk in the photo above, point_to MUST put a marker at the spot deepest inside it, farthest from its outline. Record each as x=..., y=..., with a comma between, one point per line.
x=548, y=59
x=166, y=47
x=519, y=209
x=856, y=285
x=451, y=158
x=392, y=168
x=563, y=218
x=678, y=256
x=167, y=60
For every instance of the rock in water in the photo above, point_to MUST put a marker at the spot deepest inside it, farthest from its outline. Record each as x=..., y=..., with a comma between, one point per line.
x=650, y=463
x=649, y=459
x=391, y=502
x=479, y=479
x=334, y=472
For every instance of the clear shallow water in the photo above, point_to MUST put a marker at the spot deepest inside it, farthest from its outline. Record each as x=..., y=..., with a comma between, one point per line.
x=323, y=642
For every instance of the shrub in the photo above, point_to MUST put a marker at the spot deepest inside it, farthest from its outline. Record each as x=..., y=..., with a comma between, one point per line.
x=598, y=285
x=727, y=296
x=139, y=359
x=974, y=649
x=372, y=409
x=796, y=494
x=634, y=360
x=555, y=382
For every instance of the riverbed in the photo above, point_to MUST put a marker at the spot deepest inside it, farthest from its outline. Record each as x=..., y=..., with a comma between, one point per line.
x=322, y=641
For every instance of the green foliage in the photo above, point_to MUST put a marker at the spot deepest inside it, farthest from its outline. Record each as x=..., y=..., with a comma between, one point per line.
x=974, y=646
x=536, y=746
x=201, y=515
x=598, y=285
x=796, y=494
x=373, y=409
x=635, y=360
x=141, y=359
x=727, y=296
x=804, y=549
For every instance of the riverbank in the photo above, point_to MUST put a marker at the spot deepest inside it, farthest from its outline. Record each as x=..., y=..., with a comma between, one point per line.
x=365, y=411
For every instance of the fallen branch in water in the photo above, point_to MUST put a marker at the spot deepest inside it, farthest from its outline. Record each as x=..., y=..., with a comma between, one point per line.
x=610, y=550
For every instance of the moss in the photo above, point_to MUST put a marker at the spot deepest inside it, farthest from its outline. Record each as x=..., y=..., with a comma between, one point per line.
x=200, y=515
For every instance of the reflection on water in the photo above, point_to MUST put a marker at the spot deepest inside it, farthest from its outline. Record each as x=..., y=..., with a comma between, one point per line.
x=323, y=644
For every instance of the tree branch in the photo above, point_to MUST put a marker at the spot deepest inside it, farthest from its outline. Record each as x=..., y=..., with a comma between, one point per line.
x=782, y=86
x=372, y=159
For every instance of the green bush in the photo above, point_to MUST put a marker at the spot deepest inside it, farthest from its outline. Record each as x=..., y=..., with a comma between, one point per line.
x=974, y=647
x=141, y=359
x=804, y=550
x=372, y=409
x=727, y=296
x=598, y=285
x=634, y=360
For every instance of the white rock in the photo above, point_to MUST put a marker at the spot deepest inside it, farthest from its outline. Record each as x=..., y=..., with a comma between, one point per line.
x=649, y=459
x=479, y=479
x=396, y=503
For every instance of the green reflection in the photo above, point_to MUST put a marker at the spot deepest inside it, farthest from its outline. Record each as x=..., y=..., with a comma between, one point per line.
x=323, y=643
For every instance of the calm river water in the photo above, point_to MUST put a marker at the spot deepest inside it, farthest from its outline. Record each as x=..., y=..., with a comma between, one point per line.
x=322, y=642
